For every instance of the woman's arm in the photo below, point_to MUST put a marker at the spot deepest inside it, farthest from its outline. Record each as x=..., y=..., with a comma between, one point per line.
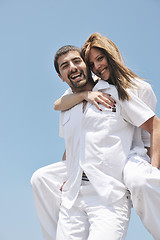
x=153, y=127
x=68, y=101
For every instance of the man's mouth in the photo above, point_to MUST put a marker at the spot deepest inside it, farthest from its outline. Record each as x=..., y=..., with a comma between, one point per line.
x=76, y=76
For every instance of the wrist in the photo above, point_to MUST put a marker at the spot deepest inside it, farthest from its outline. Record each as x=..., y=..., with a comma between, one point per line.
x=83, y=95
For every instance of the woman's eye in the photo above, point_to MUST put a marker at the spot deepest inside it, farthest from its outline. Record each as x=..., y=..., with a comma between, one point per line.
x=100, y=58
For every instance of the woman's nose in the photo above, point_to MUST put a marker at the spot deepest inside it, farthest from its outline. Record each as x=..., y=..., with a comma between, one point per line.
x=96, y=65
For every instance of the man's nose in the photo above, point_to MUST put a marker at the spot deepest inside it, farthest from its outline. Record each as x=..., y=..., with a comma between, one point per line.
x=73, y=67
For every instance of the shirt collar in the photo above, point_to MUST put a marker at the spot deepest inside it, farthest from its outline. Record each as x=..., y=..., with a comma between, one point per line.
x=101, y=84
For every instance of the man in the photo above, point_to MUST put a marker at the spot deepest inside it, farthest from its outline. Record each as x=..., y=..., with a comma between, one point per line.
x=73, y=71
x=80, y=202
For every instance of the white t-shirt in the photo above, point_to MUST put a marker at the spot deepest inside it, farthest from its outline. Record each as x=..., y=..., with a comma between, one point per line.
x=99, y=143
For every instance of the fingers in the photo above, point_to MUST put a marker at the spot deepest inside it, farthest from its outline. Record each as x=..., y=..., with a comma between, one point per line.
x=106, y=101
x=97, y=105
x=62, y=186
x=105, y=104
x=98, y=98
x=107, y=97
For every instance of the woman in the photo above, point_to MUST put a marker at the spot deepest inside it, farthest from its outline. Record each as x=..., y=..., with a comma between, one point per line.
x=141, y=178
x=121, y=77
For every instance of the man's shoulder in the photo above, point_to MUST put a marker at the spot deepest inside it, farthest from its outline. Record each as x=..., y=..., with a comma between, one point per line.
x=68, y=91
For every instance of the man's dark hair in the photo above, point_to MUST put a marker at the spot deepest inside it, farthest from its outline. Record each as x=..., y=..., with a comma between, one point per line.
x=63, y=50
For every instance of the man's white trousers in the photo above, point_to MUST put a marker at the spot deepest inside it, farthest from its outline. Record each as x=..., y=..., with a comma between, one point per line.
x=46, y=183
x=91, y=219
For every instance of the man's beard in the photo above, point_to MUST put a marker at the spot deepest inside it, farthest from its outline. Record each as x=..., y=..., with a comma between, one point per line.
x=78, y=84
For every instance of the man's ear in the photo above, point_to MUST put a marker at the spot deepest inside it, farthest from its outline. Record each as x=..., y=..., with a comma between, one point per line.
x=59, y=75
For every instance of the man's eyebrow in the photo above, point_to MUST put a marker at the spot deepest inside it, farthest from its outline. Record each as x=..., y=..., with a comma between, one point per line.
x=76, y=58
x=73, y=59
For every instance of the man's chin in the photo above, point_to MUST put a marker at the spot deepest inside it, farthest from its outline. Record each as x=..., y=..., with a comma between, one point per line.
x=79, y=84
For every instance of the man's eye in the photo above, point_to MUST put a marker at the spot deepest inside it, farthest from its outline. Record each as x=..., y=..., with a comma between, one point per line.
x=64, y=66
x=77, y=61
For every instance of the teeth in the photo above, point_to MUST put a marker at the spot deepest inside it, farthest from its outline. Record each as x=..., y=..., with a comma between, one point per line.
x=75, y=76
x=103, y=71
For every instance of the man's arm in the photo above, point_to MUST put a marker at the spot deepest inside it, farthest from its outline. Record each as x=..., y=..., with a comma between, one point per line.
x=152, y=126
x=148, y=151
x=64, y=156
x=68, y=101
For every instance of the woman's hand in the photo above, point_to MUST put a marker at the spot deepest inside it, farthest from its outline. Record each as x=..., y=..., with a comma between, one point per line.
x=62, y=186
x=97, y=98
x=68, y=101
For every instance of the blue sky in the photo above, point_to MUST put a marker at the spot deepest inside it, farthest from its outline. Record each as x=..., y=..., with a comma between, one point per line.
x=30, y=33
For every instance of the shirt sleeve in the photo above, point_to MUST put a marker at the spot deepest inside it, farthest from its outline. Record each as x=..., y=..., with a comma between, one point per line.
x=67, y=92
x=60, y=126
x=146, y=94
x=134, y=110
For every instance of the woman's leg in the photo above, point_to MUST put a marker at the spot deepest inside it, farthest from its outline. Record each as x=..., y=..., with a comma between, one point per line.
x=143, y=182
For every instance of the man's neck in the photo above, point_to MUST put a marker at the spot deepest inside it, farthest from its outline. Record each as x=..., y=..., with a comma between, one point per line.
x=88, y=87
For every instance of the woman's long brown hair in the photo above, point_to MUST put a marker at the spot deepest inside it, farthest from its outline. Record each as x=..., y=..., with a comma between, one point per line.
x=120, y=75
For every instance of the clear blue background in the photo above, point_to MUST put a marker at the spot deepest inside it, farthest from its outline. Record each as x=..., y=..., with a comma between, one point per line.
x=30, y=33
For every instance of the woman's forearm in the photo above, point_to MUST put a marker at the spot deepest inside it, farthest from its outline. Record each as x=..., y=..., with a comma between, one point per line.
x=68, y=101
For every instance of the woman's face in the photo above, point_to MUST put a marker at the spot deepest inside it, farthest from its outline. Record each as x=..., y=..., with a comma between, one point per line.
x=98, y=63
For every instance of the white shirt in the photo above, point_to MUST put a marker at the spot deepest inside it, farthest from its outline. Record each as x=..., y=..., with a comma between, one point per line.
x=99, y=143
x=146, y=94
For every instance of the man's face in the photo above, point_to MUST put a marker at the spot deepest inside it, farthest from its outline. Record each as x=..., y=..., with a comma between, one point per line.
x=73, y=70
